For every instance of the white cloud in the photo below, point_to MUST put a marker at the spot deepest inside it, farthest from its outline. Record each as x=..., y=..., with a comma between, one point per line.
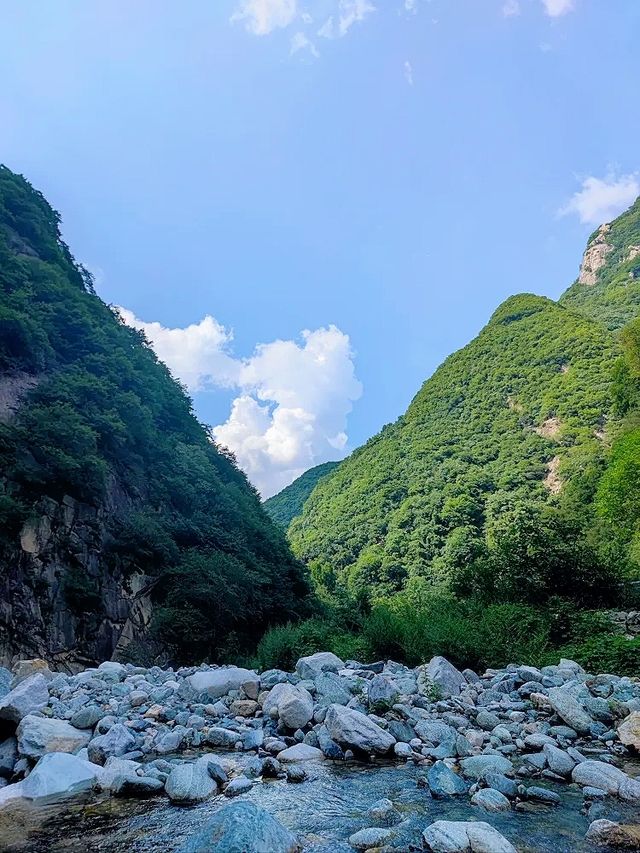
x=602, y=199
x=300, y=42
x=293, y=397
x=556, y=8
x=511, y=8
x=411, y=6
x=349, y=12
x=196, y=355
x=408, y=72
x=263, y=16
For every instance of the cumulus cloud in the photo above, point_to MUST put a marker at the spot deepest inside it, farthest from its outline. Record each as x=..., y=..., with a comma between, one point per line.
x=293, y=398
x=300, y=42
x=602, y=199
x=349, y=12
x=263, y=16
x=511, y=8
x=556, y=8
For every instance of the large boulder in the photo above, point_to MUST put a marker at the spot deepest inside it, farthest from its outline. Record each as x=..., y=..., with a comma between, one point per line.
x=598, y=774
x=443, y=782
x=38, y=735
x=606, y=833
x=567, y=707
x=292, y=704
x=440, y=679
x=382, y=693
x=215, y=683
x=311, y=666
x=59, y=776
x=242, y=827
x=349, y=727
x=457, y=836
x=191, y=783
x=629, y=731
x=117, y=741
x=28, y=697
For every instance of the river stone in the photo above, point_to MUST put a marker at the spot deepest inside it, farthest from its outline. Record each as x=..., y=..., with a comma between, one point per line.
x=87, y=717
x=478, y=766
x=558, y=760
x=237, y=786
x=117, y=741
x=443, y=782
x=629, y=731
x=452, y=836
x=506, y=786
x=38, y=735
x=491, y=800
x=111, y=671
x=365, y=839
x=133, y=785
x=218, y=682
x=114, y=770
x=8, y=756
x=58, y=776
x=606, y=833
x=598, y=774
x=349, y=727
x=300, y=752
x=311, y=666
x=29, y=697
x=435, y=731
x=382, y=693
x=332, y=689
x=443, y=675
x=190, y=783
x=569, y=709
x=292, y=704
x=242, y=827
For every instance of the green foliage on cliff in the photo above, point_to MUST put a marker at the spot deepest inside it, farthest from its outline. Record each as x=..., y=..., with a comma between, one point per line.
x=106, y=424
x=287, y=504
x=504, y=437
x=614, y=300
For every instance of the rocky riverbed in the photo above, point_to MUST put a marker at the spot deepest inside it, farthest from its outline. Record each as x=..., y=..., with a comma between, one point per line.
x=336, y=756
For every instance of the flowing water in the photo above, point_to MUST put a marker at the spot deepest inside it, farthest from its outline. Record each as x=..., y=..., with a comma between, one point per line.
x=322, y=811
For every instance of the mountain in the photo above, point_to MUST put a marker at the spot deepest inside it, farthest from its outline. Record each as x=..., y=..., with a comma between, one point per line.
x=517, y=423
x=120, y=522
x=287, y=504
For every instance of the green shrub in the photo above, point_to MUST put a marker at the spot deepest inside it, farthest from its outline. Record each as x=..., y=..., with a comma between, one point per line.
x=605, y=653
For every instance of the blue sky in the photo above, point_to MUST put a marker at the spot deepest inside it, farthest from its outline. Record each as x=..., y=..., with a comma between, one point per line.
x=380, y=173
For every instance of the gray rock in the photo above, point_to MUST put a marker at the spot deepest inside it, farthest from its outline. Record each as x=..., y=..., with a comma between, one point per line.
x=542, y=795
x=215, y=683
x=382, y=693
x=38, y=735
x=300, y=752
x=311, y=666
x=443, y=675
x=190, y=783
x=224, y=738
x=365, y=839
x=443, y=782
x=137, y=786
x=558, y=760
x=295, y=773
x=506, y=786
x=487, y=721
x=329, y=747
x=29, y=697
x=451, y=836
x=478, y=766
x=606, y=833
x=242, y=827
x=491, y=800
x=597, y=774
x=237, y=786
x=349, y=727
x=117, y=741
x=58, y=776
x=332, y=689
x=293, y=705
x=569, y=709
x=87, y=717
x=8, y=756
x=383, y=812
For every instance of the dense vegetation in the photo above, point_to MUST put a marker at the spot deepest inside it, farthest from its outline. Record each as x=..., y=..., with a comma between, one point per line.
x=106, y=424
x=287, y=504
x=492, y=520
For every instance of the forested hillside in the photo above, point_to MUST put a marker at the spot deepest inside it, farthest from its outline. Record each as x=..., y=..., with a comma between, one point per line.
x=119, y=519
x=287, y=504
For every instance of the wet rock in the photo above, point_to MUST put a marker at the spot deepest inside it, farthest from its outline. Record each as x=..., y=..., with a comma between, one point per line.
x=491, y=800
x=139, y=787
x=351, y=728
x=190, y=783
x=29, y=697
x=558, y=760
x=300, y=752
x=598, y=774
x=450, y=836
x=443, y=782
x=295, y=773
x=383, y=812
x=366, y=839
x=506, y=786
x=606, y=833
x=38, y=735
x=242, y=826
x=478, y=766
x=237, y=786
x=542, y=795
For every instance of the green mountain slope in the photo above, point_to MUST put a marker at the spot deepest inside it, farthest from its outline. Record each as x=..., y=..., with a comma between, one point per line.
x=608, y=287
x=514, y=416
x=118, y=517
x=287, y=504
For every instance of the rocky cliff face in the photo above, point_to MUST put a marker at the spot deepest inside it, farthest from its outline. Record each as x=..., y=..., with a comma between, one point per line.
x=62, y=544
